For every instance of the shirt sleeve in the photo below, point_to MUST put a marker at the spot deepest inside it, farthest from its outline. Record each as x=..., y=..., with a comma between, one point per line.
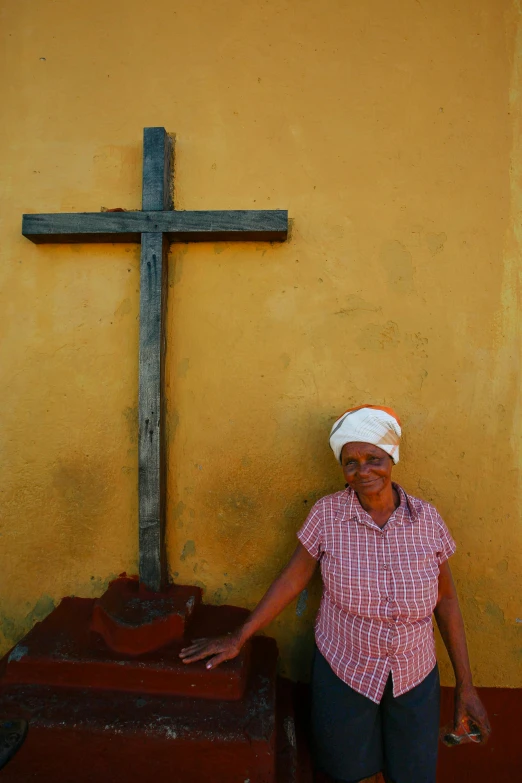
x=311, y=535
x=447, y=545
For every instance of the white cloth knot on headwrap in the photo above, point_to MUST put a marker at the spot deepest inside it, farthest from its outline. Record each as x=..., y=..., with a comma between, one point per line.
x=367, y=424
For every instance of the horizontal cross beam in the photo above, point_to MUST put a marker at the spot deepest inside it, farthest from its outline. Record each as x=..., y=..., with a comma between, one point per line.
x=179, y=226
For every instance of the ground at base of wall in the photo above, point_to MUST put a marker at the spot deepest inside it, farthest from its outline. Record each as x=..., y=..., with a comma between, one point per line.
x=320, y=778
x=499, y=760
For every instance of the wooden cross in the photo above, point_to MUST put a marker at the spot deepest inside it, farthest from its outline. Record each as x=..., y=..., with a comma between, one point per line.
x=157, y=224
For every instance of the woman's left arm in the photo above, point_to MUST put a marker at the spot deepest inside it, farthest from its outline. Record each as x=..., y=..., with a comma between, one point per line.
x=451, y=627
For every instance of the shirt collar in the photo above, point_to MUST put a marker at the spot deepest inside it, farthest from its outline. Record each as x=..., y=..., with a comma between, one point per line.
x=405, y=514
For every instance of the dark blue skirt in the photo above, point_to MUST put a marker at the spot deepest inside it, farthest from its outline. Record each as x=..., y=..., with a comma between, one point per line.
x=354, y=738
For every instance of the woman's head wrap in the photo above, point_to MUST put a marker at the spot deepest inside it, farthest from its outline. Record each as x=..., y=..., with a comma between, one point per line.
x=367, y=424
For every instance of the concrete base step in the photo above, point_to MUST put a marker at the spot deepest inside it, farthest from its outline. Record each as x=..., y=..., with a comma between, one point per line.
x=63, y=651
x=81, y=735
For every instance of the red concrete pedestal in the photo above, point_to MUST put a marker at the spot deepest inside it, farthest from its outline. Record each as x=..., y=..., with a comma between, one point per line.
x=63, y=651
x=98, y=714
x=81, y=735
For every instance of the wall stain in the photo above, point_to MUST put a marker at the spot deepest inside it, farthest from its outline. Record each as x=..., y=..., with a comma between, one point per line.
x=183, y=367
x=398, y=265
x=428, y=490
x=82, y=488
x=124, y=308
x=436, y=242
x=238, y=506
x=130, y=414
x=379, y=337
x=189, y=550
x=354, y=303
x=502, y=566
x=219, y=247
x=302, y=603
x=177, y=511
x=111, y=165
x=419, y=343
x=172, y=423
x=222, y=594
x=18, y=653
x=495, y=612
x=176, y=263
x=13, y=628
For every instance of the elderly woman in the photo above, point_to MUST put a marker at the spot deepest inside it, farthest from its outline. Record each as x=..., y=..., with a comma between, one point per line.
x=384, y=565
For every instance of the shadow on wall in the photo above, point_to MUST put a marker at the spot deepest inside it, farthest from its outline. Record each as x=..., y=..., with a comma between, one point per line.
x=14, y=626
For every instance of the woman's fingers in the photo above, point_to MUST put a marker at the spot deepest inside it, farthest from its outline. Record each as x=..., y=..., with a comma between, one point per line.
x=196, y=646
x=217, y=659
x=469, y=708
x=223, y=648
x=198, y=652
x=196, y=656
x=481, y=720
x=202, y=648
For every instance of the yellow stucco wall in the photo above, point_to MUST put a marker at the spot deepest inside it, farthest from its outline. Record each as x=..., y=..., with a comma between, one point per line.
x=391, y=132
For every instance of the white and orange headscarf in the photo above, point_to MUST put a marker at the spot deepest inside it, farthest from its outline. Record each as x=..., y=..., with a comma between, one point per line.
x=367, y=424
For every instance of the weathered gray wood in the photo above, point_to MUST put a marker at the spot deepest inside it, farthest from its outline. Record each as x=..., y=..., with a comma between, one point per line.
x=156, y=196
x=153, y=287
x=157, y=170
x=202, y=226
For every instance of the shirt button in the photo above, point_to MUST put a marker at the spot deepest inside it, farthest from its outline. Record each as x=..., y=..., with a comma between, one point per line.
x=385, y=566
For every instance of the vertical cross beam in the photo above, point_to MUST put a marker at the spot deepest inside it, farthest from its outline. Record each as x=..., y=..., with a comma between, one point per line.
x=156, y=196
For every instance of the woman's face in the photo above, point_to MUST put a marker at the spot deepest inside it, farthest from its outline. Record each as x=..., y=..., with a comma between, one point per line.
x=367, y=468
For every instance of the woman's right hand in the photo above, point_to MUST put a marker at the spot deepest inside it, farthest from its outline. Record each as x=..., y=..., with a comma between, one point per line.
x=292, y=579
x=221, y=648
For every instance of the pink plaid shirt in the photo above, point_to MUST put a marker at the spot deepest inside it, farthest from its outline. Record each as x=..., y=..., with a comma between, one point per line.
x=379, y=589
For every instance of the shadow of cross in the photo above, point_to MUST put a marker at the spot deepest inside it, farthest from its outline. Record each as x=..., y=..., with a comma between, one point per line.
x=155, y=226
